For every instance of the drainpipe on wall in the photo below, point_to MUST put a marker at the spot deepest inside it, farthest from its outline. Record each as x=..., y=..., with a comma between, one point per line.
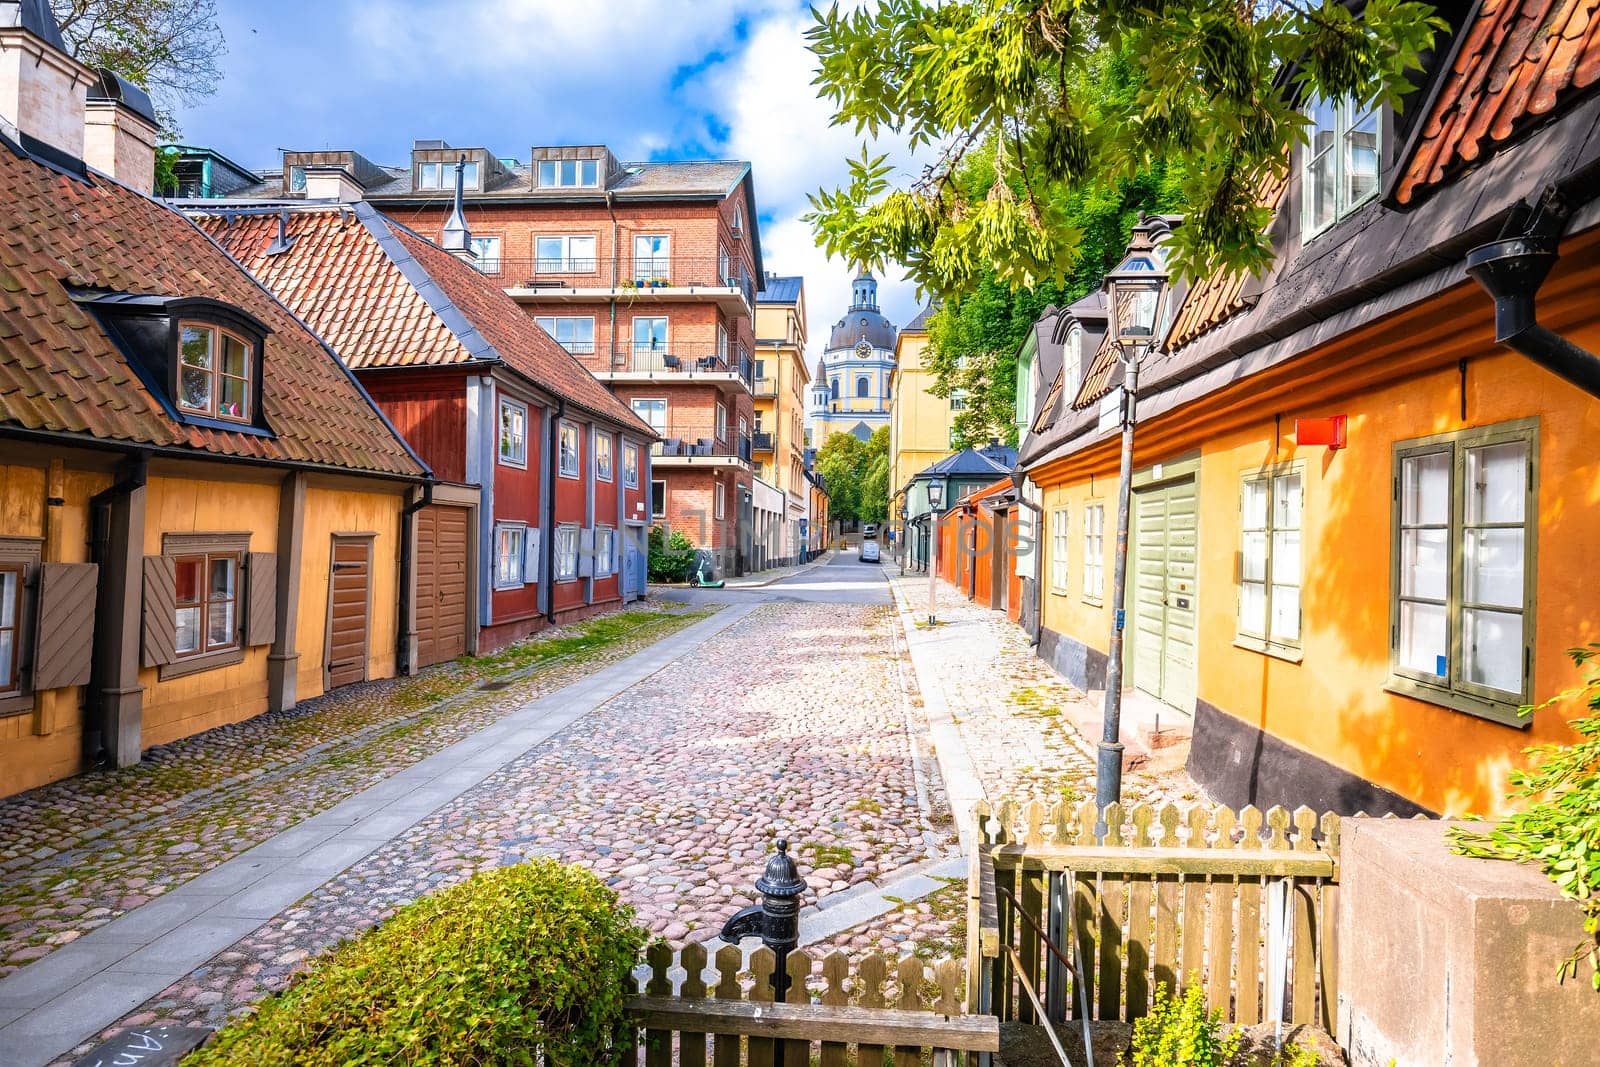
x=1019, y=479
x=554, y=463
x=611, y=205
x=1512, y=269
x=407, y=628
x=112, y=699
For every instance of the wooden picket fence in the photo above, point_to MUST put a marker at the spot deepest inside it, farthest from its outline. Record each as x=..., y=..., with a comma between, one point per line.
x=1160, y=898
x=864, y=1010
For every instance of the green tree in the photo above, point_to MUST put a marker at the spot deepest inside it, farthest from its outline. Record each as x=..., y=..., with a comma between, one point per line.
x=857, y=476
x=875, y=478
x=1025, y=84
x=170, y=48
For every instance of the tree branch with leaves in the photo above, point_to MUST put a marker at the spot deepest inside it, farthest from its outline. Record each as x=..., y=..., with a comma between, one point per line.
x=1219, y=88
x=170, y=48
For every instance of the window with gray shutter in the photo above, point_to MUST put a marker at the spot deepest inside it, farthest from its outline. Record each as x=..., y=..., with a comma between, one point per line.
x=261, y=572
x=586, y=553
x=530, y=557
x=64, y=645
x=159, y=622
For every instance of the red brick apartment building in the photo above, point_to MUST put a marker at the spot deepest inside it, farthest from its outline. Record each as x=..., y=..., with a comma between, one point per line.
x=647, y=272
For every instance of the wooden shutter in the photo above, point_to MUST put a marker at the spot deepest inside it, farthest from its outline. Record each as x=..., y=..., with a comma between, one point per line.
x=586, y=553
x=261, y=571
x=63, y=643
x=531, y=557
x=159, y=626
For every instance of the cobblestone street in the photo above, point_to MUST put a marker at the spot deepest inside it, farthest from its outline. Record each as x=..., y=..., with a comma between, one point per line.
x=792, y=710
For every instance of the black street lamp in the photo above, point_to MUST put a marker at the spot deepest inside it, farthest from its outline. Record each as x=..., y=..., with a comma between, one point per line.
x=1135, y=294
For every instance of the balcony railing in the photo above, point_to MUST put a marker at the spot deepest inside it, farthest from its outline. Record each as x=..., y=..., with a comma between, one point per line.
x=642, y=274
x=678, y=359
x=765, y=387
x=688, y=444
x=765, y=441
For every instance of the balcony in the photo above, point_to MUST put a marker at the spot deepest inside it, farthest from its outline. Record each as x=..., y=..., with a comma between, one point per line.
x=678, y=364
x=765, y=387
x=660, y=279
x=765, y=441
x=679, y=449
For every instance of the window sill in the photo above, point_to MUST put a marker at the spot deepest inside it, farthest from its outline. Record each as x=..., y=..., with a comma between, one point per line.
x=574, y=476
x=1060, y=592
x=1286, y=653
x=210, y=661
x=508, y=462
x=16, y=704
x=1504, y=714
x=506, y=587
x=1094, y=602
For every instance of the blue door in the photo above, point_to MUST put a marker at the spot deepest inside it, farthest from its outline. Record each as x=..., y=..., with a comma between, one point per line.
x=635, y=569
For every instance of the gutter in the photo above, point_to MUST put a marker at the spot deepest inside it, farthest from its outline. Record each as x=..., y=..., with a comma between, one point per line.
x=100, y=536
x=1512, y=269
x=554, y=460
x=407, y=539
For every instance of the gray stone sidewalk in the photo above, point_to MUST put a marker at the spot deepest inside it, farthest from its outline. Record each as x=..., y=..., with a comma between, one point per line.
x=55, y=1003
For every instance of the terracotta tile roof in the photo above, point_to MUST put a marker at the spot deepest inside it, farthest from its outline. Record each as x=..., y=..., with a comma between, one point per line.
x=1518, y=61
x=60, y=371
x=1104, y=373
x=354, y=275
x=1213, y=300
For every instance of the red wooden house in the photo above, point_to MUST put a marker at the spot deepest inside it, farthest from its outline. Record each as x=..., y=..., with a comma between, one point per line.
x=541, y=513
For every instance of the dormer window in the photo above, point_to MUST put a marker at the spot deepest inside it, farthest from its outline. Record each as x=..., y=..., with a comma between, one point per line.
x=215, y=368
x=443, y=175
x=1340, y=171
x=569, y=173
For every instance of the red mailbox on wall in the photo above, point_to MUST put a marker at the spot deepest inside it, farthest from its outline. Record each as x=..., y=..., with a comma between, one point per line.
x=1329, y=431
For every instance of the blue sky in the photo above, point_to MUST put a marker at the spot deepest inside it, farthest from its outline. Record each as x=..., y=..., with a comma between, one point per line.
x=653, y=79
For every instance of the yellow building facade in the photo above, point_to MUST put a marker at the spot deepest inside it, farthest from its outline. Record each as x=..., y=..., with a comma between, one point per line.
x=920, y=423
x=781, y=378
x=852, y=390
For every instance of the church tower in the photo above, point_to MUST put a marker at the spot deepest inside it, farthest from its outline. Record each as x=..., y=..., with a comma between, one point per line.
x=850, y=392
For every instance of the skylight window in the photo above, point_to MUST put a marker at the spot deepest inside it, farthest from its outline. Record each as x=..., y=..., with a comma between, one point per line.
x=569, y=173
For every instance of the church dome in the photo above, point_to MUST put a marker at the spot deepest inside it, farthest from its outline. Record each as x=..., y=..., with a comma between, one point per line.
x=863, y=322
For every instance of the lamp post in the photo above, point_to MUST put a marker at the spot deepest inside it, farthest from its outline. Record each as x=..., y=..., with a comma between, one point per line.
x=1135, y=293
x=935, y=503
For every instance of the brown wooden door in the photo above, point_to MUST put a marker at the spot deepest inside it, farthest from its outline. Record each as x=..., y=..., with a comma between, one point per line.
x=441, y=583
x=1000, y=547
x=349, y=610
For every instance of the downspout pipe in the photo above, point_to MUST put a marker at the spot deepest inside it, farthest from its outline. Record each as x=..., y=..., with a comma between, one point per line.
x=1512, y=269
x=1019, y=479
x=135, y=477
x=554, y=460
x=407, y=584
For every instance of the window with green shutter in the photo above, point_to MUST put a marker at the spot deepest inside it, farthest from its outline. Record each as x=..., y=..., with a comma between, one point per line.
x=1461, y=626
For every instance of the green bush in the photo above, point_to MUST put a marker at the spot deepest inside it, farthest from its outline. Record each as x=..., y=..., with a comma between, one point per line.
x=1559, y=830
x=670, y=556
x=487, y=971
x=1180, y=1032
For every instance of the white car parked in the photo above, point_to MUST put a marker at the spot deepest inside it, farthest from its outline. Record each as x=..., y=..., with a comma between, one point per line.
x=869, y=552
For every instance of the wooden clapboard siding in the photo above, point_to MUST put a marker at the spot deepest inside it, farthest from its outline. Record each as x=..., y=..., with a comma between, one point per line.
x=888, y=1012
x=349, y=610
x=63, y=643
x=441, y=566
x=1177, y=898
x=159, y=620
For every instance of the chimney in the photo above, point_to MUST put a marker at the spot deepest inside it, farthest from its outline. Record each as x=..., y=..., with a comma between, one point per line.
x=119, y=132
x=41, y=87
x=332, y=181
x=457, y=237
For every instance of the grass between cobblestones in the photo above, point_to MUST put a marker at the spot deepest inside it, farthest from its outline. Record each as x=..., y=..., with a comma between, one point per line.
x=83, y=851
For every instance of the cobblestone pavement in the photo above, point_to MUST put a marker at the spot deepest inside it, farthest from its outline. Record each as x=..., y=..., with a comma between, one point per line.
x=1009, y=707
x=672, y=791
x=78, y=853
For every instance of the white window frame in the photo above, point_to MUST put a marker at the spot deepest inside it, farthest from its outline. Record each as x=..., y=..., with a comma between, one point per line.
x=654, y=514
x=609, y=472
x=719, y=499
x=1060, y=539
x=519, y=457
x=655, y=263
x=605, y=547
x=516, y=534
x=569, y=543
x=444, y=173
x=1277, y=520
x=553, y=168
x=1094, y=552
x=644, y=416
x=722, y=421
x=1337, y=152
x=575, y=470
x=554, y=324
x=630, y=465
x=567, y=262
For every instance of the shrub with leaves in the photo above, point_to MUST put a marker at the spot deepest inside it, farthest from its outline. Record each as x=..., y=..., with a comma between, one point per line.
x=670, y=555
x=1180, y=1032
x=1559, y=830
x=487, y=971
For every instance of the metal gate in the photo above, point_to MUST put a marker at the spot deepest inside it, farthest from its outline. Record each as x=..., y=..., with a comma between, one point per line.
x=1165, y=605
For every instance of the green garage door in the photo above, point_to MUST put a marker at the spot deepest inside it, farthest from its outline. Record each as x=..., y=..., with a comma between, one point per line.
x=1164, y=603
